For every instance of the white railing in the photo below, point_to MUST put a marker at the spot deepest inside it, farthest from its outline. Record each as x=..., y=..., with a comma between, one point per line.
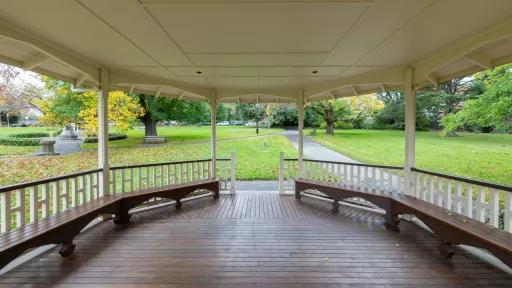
x=137, y=177
x=31, y=201
x=379, y=177
x=486, y=202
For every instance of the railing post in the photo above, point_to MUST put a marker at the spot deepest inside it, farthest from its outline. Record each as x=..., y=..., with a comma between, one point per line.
x=233, y=172
x=213, y=127
x=104, y=185
x=300, y=120
x=410, y=131
x=281, y=172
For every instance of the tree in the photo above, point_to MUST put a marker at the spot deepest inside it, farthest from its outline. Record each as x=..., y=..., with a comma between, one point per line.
x=162, y=108
x=392, y=116
x=282, y=115
x=123, y=110
x=17, y=92
x=63, y=106
x=492, y=110
x=362, y=108
x=256, y=113
x=331, y=111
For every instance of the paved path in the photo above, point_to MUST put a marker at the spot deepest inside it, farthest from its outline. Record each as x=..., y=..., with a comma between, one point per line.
x=64, y=146
x=314, y=150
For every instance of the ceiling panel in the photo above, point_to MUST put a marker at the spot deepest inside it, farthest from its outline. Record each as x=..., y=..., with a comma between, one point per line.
x=258, y=59
x=256, y=26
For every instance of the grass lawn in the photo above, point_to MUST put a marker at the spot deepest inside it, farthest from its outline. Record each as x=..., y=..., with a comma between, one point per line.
x=254, y=161
x=16, y=150
x=478, y=156
x=175, y=134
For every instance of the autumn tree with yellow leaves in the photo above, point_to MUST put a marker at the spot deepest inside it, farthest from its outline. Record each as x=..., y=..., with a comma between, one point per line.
x=63, y=105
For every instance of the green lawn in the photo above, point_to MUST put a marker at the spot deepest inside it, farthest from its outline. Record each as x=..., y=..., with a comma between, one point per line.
x=175, y=134
x=17, y=150
x=254, y=160
x=478, y=156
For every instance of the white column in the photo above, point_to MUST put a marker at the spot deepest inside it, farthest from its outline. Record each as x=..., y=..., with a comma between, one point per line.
x=300, y=118
x=410, y=130
x=103, y=164
x=213, y=126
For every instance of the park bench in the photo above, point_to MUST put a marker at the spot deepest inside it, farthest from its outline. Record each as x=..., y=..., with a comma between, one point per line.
x=451, y=228
x=62, y=228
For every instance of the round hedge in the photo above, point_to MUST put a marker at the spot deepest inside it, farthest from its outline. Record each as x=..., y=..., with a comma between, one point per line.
x=29, y=135
x=12, y=141
x=111, y=137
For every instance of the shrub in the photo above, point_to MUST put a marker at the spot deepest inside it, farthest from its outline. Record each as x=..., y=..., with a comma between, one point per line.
x=12, y=141
x=29, y=135
x=111, y=137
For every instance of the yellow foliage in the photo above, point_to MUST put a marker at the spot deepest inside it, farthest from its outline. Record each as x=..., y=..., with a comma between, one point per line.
x=123, y=110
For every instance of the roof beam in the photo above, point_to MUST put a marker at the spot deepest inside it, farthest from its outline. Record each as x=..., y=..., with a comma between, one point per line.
x=479, y=60
x=462, y=47
x=158, y=91
x=67, y=57
x=34, y=61
x=80, y=80
x=354, y=90
x=117, y=77
x=383, y=88
x=272, y=92
x=181, y=95
x=385, y=76
x=432, y=78
x=132, y=87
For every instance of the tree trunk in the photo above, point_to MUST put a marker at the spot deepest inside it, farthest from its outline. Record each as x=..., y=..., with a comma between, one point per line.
x=329, y=120
x=257, y=127
x=149, y=123
x=149, y=126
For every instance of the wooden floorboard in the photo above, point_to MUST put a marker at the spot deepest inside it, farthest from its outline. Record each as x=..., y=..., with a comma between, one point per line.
x=255, y=240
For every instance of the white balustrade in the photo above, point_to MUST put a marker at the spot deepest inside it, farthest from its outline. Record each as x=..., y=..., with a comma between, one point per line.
x=30, y=202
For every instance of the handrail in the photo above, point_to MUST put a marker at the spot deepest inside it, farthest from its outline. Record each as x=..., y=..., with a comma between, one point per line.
x=158, y=164
x=46, y=180
x=467, y=180
x=349, y=163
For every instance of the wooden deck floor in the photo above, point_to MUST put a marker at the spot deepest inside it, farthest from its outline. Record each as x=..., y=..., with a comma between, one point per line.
x=255, y=240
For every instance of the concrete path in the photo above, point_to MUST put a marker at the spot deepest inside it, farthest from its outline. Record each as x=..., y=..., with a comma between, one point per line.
x=314, y=150
x=65, y=146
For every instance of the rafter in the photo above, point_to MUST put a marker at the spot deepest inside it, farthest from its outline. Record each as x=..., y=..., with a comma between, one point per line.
x=158, y=91
x=181, y=95
x=385, y=76
x=462, y=48
x=34, y=61
x=383, y=88
x=80, y=80
x=68, y=57
x=479, y=60
x=354, y=90
x=432, y=78
x=132, y=88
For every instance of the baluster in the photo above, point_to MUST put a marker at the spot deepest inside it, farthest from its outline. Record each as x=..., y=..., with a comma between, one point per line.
x=92, y=191
x=448, y=195
x=123, y=181
x=508, y=211
x=469, y=200
x=366, y=177
x=154, y=171
x=33, y=203
x=56, y=197
x=20, y=207
x=440, y=191
x=458, y=192
x=480, y=209
x=139, y=176
x=431, y=190
x=44, y=200
x=352, y=175
x=65, y=194
x=390, y=180
x=374, y=178
x=5, y=211
x=358, y=176
x=381, y=179
x=494, y=207
x=113, y=174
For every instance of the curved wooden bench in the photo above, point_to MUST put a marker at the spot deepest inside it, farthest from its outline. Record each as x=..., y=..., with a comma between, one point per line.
x=450, y=227
x=63, y=227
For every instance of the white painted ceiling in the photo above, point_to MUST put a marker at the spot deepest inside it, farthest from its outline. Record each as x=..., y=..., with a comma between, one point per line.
x=255, y=50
